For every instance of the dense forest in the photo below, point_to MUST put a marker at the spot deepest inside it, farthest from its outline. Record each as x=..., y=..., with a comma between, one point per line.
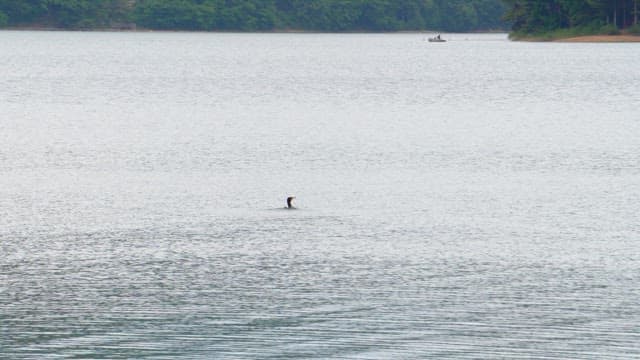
x=586, y=16
x=257, y=15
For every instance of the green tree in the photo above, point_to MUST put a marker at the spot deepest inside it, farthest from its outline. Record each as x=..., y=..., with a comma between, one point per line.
x=260, y=15
x=23, y=11
x=532, y=16
x=247, y=15
x=4, y=19
x=176, y=14
x=462, y=15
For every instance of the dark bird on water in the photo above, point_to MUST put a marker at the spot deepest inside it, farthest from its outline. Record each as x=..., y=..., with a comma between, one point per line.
x=289, y=200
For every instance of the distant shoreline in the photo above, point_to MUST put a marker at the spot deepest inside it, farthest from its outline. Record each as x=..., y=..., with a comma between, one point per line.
x=601, y=39
x=572, y=38
x=275, y=31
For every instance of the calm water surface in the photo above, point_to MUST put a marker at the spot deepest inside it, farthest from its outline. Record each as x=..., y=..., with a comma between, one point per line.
x=473, y=199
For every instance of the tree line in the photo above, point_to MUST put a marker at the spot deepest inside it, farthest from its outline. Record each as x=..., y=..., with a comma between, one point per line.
x=596, y=16
x=258, y=15
x=64, y=13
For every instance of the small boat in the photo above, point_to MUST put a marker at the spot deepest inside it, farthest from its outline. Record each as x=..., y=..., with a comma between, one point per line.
x=437, y=39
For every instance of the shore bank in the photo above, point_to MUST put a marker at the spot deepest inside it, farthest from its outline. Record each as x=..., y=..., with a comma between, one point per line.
x=602, y=39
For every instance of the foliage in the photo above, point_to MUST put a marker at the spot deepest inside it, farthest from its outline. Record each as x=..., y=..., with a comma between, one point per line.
x=65, y=13
x=261, y=15
x=391, y=15
x=558, y=17
x=175, y=14
x=635, y=29
x=22, y=11
x=565, y=33
x=609, y=30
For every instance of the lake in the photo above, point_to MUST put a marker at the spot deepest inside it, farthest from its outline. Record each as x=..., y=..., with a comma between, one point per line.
x=478, y=198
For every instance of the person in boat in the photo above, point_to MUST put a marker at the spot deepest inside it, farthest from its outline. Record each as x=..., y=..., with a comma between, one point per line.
x=289, y=202
x=438, y=37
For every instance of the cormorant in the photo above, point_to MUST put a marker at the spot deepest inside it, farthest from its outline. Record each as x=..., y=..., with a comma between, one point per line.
x=289, y=200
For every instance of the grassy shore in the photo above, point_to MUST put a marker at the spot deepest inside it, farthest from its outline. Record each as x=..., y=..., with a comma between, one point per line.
x=607, y=33
x=602, y=38
x=620, y=38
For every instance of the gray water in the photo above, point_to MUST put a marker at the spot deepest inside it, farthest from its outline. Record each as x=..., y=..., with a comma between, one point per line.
x=478, y=198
